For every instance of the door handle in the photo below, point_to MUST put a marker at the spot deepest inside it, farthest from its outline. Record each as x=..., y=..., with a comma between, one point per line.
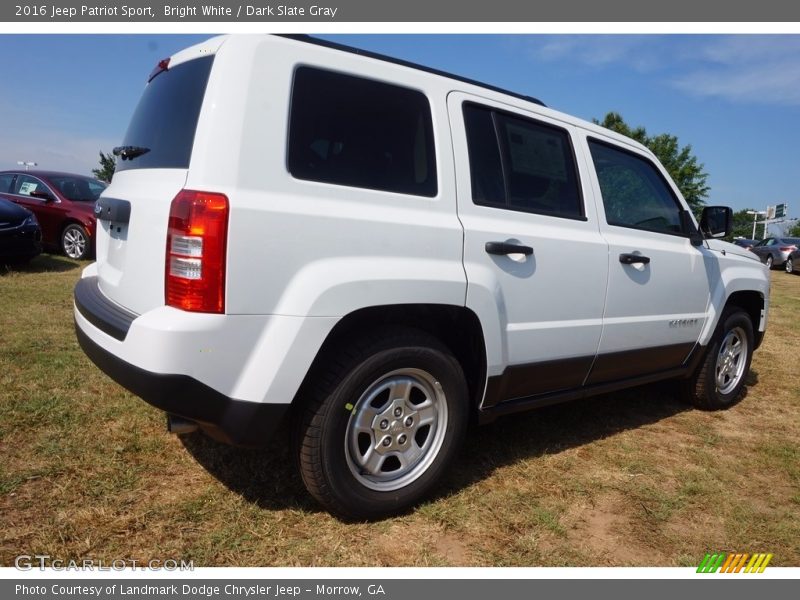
x=632, y=259
x=507, y=248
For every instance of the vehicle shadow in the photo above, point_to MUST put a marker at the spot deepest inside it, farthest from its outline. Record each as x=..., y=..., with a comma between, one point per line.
x=44, y=263
x=268, y=477
x=264, y=476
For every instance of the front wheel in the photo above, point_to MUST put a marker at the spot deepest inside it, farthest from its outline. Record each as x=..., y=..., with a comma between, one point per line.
x=719, y=381
x=379, y=433
x=75, y=242
x=769, y=261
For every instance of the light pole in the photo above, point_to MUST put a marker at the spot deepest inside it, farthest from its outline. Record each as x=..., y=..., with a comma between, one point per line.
x=755, y=214
x=26, y=163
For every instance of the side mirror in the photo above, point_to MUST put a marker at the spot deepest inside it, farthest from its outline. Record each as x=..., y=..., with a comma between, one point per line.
x=42, y=195
x=716, y=221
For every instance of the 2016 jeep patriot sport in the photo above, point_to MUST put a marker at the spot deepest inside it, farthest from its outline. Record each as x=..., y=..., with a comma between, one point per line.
x=387, y=252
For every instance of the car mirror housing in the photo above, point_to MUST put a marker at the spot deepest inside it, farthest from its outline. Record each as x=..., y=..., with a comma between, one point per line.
x=716, y=221
x=43, y=195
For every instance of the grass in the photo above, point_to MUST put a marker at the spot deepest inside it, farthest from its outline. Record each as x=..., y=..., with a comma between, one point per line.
x=632, y=478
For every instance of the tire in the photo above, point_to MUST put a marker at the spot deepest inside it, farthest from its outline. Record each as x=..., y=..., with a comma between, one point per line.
x=719, y=380
x=789, y=265
x=769, y=261
x=385, y=419
x=75, y=242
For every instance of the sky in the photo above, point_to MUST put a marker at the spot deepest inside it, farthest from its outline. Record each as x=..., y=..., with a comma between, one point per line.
x=734, y=98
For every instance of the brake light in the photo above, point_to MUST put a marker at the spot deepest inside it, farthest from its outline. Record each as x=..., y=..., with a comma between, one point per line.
x=787, y=248
x=197, y=236
x=163, y=65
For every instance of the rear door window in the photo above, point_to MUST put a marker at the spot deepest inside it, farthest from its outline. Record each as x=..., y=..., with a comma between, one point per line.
x=358, y=132
x=521, y=164
x=165, y=119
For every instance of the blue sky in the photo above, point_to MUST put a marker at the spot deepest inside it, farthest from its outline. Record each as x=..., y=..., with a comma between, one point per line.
x=734, y=98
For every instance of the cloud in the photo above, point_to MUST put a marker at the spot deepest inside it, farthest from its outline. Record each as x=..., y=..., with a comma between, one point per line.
x=752, y=69
x=762, y=69
x=639, y=52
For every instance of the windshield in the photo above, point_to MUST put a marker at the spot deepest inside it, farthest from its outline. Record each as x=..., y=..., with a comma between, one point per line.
x=78, y=189
x=165, y=120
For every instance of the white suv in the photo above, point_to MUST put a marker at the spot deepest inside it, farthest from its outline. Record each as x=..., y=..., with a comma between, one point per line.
x=382, y=253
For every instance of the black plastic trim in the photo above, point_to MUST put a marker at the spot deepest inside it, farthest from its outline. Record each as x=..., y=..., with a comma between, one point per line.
x=101, y=312
x=113, y=209
x=503, y=395
x=632, y=363
x=229, y=420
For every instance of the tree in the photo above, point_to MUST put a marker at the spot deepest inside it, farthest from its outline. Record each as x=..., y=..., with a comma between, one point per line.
x=794, y=230
x=108, y=165
x=687, y=173
x=743, y=224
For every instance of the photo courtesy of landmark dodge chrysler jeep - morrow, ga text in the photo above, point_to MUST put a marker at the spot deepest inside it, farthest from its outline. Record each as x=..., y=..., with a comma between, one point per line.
x=376, y=254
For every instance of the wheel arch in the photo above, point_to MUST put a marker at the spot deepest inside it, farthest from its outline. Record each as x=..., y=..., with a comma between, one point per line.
x=752, y=303
x=457, y=327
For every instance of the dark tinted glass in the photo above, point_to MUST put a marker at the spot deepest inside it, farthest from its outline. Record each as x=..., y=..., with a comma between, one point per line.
x=634, y=192
x=352, y=131
x=78, y=188
x=540, y=168
x=486, y=169
x=521, y=164
x=166, y=118
x=5, y=182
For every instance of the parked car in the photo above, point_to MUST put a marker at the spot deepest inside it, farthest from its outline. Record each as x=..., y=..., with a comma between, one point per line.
x=382, y=253
x=20, y=236
x=745, y=243
x=792, y=264
x=62, y=202
x=773, y=251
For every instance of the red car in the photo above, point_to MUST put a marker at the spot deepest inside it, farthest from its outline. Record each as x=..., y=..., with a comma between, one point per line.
x=62, y=202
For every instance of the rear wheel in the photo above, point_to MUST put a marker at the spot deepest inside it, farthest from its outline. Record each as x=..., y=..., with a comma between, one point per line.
x=789, y=266
x=383, y=425
x=719, y=380
x=75, y=241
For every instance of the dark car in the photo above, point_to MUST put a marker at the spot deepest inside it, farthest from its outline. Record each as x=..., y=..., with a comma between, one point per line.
x=792, y=264
x=745, y=243
x=63, y=204
x=20, y=236
x=774, y=251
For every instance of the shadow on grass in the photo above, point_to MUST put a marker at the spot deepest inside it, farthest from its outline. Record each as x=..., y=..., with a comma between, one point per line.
x=265, y=476
x=268, y=477
x=44, y=263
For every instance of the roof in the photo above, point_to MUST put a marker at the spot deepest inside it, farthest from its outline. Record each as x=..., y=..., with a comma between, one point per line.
x=344, y=48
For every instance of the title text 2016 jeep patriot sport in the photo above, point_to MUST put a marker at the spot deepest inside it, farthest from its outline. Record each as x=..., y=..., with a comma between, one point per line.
x=384, y=252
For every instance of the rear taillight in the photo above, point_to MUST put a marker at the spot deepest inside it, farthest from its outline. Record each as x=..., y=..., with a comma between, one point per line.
x=197, y=236
x=787, y=248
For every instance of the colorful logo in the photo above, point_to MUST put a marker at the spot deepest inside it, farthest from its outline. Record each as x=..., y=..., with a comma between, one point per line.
x=734, y=563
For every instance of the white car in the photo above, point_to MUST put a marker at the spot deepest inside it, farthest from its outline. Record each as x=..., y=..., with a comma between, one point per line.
x=382, y=253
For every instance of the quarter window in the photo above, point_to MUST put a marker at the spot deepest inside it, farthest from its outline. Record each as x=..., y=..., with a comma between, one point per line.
x=634, y=192
x=358, y=132
x=521, y=164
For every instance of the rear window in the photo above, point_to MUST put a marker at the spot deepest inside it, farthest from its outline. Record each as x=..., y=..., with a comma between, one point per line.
x=166, y=118
x=358, y=132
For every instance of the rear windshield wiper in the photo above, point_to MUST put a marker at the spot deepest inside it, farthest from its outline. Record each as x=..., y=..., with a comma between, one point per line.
x=129, y=152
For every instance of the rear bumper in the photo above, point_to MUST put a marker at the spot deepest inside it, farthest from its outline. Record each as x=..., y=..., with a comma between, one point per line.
x=235, y=375
x=229, y=420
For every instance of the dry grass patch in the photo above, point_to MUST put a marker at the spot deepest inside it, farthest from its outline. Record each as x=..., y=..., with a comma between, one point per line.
x=633, y=478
